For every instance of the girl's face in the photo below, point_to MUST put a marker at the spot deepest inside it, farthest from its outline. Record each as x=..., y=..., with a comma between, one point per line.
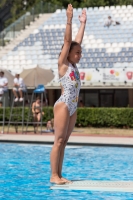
x=38, y=101
x=75, y=54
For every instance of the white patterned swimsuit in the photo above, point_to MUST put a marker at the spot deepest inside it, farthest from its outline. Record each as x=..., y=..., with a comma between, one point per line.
x=70, y=83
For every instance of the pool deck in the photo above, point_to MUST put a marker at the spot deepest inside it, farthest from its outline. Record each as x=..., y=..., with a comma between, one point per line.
x=78, y=139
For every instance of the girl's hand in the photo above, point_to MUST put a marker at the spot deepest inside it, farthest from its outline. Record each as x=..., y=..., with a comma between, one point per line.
x=69, y=11
x=42, y=113
x=83, y=17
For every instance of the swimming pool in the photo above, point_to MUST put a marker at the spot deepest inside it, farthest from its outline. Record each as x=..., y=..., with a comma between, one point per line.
x=25, y=171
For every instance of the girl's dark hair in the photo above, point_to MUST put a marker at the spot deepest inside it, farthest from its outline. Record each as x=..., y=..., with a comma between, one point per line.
x=38, y=98
x=73, y=44
x=2, y=72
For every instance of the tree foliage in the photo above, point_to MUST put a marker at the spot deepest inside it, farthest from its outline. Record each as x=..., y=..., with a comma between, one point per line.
x=91, y=3
x=19, y=7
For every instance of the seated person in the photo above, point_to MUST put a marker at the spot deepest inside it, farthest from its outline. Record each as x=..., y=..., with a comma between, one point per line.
x=19, y=87
x=50, y=125
x=81, y=104
x=93, y=106
x=3, y=84
x=36, y=110
x=110, y=22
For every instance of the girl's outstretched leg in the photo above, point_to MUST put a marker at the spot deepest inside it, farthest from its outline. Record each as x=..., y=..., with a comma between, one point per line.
x=61, y=121
x=69, y=131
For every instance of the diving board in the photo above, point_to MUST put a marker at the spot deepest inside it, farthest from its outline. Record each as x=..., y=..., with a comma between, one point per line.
x=116, y=186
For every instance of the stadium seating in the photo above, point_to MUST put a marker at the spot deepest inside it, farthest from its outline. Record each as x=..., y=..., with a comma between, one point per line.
x=101, y=48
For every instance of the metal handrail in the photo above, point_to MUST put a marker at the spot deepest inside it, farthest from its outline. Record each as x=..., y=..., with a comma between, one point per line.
x=14, y=29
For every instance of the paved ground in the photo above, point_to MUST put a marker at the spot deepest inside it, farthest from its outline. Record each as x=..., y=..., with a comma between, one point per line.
x=75, y=139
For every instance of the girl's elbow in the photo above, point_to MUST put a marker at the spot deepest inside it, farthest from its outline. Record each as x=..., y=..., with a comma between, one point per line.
x=67, y=41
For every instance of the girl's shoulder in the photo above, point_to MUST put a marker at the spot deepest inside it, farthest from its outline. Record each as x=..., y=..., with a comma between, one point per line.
x=63, y=69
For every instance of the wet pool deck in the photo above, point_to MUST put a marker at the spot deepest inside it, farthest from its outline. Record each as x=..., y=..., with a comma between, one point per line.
x=75, y=139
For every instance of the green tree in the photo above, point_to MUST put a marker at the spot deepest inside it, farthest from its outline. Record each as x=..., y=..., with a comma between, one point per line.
x=2, y=3
x=118, y=2
x=92, y=3
x=19, y=7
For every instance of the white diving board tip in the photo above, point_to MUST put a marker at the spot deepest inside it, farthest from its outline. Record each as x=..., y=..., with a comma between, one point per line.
x=116, y=186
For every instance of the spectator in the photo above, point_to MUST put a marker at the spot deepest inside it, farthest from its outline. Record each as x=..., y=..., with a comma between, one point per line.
x=3, y=84
x=81, y=104
x=19, y=87
x=37, y=112
x=110, y=22
x=93, y=106
x=50, y=125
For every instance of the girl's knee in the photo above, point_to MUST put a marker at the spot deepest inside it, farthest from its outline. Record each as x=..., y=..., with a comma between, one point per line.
x=60, y=142
x=65, y=142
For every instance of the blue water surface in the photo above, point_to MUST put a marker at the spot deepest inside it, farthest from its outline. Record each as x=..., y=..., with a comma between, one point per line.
x=25, y=171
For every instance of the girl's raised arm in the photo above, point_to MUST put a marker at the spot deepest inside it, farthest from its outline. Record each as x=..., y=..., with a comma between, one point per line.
x=67, y=37
x=82, y=19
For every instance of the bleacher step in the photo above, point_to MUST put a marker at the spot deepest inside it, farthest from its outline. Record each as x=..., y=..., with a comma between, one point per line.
x=23, y=34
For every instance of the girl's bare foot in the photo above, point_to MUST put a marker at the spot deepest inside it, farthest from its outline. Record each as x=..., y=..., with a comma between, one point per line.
x=66, y=180
x=57, y=181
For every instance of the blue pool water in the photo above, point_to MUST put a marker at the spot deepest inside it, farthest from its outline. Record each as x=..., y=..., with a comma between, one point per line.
x=25, y=171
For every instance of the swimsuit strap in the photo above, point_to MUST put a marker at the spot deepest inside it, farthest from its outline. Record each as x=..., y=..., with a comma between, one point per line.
x=70, y=67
